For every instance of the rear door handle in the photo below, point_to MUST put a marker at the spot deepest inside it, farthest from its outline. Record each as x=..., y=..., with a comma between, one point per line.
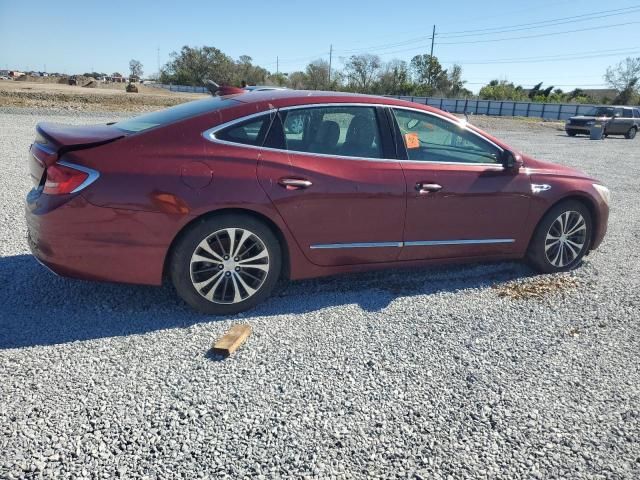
x=424, y=188
x=294, y=183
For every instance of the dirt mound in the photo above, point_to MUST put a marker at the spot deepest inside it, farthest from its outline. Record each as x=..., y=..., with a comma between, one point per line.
x=91, y=84
x=89, y=101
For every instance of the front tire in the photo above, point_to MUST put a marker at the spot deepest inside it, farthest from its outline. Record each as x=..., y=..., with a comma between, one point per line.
x=631, y=134
x=226, y=264
x=562, y=238
x=571, y=133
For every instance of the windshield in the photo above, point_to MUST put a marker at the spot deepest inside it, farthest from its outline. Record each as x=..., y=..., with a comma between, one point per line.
x=174, y=114
x=600, y=112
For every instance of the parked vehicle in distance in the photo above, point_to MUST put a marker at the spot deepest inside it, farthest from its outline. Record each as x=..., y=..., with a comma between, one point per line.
x=618, y=121
x=226, y=195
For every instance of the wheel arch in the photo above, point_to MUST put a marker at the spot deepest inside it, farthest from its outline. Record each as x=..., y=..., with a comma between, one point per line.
x=286, y=265
x=582, y=198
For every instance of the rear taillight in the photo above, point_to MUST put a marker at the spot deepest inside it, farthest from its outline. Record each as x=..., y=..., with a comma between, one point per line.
x=63, y=178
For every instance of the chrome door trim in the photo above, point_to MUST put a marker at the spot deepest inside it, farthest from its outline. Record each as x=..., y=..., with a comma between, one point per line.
x=435, y=243
x=418, y=243
x=322, y=246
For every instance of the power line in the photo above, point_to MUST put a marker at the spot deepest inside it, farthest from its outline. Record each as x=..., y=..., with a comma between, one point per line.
x=294, y=60
x=600, y=27
x=532, y=25
x=551, y=58
x=487, y=31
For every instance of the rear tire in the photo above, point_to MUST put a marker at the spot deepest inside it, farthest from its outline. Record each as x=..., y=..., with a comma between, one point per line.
x=562, y=238
x=226, y=264
x=631, y=134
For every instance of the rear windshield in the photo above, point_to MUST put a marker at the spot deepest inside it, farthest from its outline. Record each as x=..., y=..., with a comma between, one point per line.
x=174, y=114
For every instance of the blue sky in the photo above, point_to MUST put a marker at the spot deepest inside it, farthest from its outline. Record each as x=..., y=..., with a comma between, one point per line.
x=76, y=36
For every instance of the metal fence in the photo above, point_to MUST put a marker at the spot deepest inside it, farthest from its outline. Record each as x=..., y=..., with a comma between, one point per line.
x=179, y=88
x=552, y=111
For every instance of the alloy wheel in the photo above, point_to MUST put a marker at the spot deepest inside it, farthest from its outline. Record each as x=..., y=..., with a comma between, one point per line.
x=229, y=266
x=566, y=238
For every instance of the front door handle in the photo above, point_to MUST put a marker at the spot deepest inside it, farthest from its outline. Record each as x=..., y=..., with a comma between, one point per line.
x=294, y=183
x=424, y=188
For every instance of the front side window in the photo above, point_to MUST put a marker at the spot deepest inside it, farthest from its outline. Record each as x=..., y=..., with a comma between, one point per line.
x=249, y=132
x=636, y=113
x=626, y=113
x=432, y=139
x=343, y=131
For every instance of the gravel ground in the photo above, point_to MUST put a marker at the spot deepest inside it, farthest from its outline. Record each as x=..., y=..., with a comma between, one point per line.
x=480, y=371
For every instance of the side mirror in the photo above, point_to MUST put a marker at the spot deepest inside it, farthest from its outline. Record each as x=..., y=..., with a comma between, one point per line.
x=511, y=161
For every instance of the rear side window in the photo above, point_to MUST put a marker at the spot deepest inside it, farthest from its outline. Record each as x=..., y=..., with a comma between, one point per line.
x=636, y=113
x=626, y=113
x=342, y=131
x=174, y=114
x=249, y=132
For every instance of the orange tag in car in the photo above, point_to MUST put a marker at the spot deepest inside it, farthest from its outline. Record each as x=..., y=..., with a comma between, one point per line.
x=412, y=140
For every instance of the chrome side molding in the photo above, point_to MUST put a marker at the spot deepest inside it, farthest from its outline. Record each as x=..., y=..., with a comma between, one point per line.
x=322, y=246
x=419, y=243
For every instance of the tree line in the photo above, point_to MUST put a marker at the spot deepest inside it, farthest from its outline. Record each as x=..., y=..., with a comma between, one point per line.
x=365, y=73
x=423, y=75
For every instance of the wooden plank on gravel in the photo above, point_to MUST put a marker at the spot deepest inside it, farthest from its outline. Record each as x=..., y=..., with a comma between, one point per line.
x=231, y=341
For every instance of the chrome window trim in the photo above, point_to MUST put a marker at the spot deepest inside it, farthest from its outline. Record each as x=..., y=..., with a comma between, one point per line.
x=418, y=243
x=93, y=175
x=210, y=134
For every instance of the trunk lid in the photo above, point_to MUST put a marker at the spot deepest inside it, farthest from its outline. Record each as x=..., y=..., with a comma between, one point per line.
x=63, y=138
x=54, y=139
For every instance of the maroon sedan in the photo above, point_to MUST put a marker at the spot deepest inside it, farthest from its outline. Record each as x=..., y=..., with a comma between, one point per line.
x=228, y=194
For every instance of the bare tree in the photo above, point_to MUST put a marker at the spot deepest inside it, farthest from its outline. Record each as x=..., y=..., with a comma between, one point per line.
x=623, y=74
x=135, y=68
x=362, y=70
x=625, y=77
x=394, y=78
x=297, y=80
x=456, y=83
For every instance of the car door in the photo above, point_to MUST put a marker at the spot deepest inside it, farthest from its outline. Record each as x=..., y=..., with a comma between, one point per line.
x=618, y=123
x=461, y=201
x=625, y=120
x=330, y=171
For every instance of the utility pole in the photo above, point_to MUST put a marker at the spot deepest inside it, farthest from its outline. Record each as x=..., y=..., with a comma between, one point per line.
x=330, y=58
x=277, y=65
x=433, y=37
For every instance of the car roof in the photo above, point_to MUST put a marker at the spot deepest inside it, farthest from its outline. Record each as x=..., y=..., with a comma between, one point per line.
x=286, y=98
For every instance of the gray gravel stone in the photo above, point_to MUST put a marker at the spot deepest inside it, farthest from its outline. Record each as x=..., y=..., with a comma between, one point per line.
x=420, y=374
